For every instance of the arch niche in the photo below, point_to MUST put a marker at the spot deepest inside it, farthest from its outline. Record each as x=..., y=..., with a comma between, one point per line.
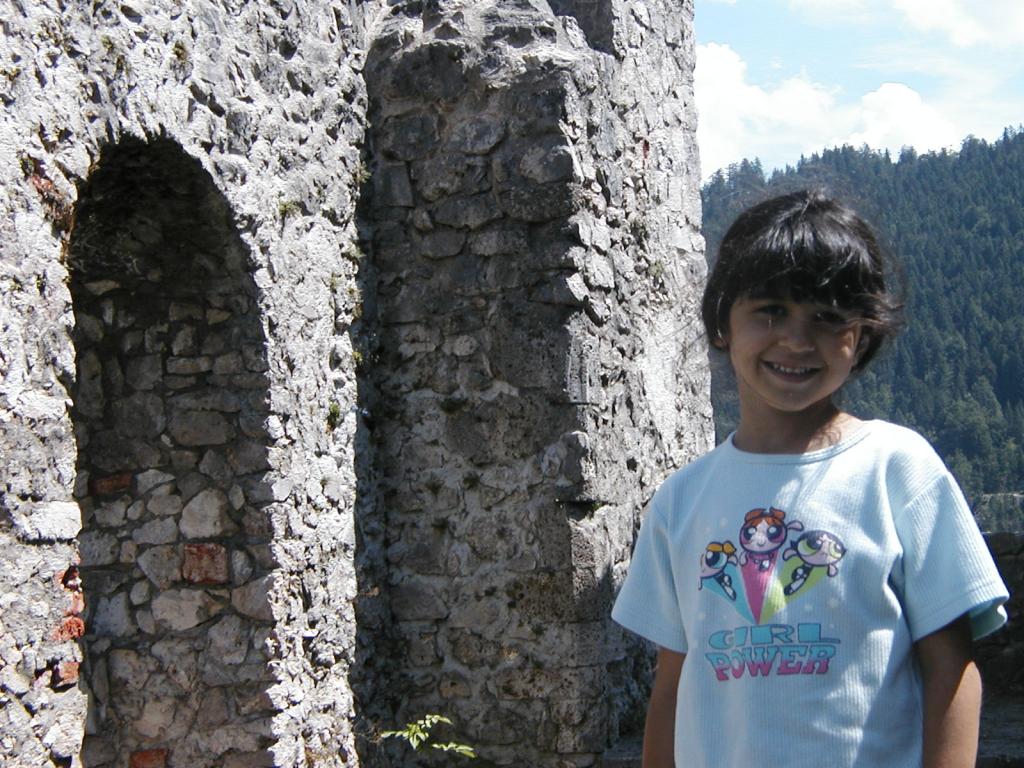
x=169, y=407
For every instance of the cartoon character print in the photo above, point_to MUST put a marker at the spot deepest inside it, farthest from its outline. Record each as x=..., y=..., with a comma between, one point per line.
x=763, y=533
x=752, y=576
x=816, y=549
x=713, y=561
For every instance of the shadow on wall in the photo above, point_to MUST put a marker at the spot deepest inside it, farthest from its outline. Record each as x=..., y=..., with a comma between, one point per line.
x=169, y=407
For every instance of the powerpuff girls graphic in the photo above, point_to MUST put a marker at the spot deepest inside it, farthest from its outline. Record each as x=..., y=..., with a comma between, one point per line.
x=816, y=549
x=775, y=563
x=713, y=562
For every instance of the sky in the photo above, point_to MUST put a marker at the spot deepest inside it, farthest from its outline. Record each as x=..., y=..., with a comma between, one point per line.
x=777, y=79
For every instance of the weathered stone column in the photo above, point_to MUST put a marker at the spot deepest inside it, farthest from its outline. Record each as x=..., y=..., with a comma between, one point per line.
x=535, y=215
x=205, y=445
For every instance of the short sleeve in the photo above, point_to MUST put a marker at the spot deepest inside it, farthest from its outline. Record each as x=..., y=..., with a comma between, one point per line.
x=647, y=603
x=946, y=570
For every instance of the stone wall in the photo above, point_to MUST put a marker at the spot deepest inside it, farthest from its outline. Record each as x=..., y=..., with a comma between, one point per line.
x=177, y=406
x=538, y=371
x=1000, y=655
x=331, y=397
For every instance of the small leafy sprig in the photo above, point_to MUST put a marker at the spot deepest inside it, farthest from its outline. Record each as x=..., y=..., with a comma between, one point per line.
x=417, y=733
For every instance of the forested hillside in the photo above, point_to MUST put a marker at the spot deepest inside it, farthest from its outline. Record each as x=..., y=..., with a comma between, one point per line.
x=955, y=221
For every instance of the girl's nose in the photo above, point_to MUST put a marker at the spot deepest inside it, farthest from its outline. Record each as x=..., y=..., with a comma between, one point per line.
x=796, y=334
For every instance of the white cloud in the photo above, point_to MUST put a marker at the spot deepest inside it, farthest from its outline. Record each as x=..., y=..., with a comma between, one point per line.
x=992, y=22
x=962, y=22
x=781, y=122
x=895, y=116
x=737, y=119
x=836, y=12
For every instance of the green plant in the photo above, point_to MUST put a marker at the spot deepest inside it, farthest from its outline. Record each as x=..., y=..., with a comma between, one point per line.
x=353, y=253
x=418, y=735
x=286, y=208
x=333, y=416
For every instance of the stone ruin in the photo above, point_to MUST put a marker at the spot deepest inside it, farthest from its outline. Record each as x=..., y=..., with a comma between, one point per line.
x=341, y=345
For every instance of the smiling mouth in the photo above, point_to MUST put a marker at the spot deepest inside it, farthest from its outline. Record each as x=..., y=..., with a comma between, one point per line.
x=787, y=371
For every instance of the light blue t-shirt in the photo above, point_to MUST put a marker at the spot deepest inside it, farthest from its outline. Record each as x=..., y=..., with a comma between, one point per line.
x=797, y=585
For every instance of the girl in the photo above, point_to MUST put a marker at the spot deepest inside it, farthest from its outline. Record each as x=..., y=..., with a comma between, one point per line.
x=844, y=637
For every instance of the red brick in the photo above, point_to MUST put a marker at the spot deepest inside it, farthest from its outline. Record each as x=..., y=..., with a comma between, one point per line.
x=111, y=484
x=77, y=604
x=205, y=564
x=148, y=758
x=72, y=627
x=65, y=674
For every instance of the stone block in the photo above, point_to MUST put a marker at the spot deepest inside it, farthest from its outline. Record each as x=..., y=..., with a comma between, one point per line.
x=181, y=609
x=432, y=73
x=143, y=373
x=470, y=212
x=205, y=516
x=229, y=640
x=148, y=758
x=165, y=506
x=253, y=599
x=538, y=202
x=207, y=400
x=213, y=711
x=205, y=564
x=110, y=515
x=454, y=685
x=189, y=366
x=139, y=415
x=247, y=457
x=479, y=135
x=409, y=136
x=441, y=243
x=110, y=484
x=501, y=239
x=543, y=684
x=392, y=187
x=196, y=428
x=97, y=548
x=548, y=161
x=156, y=718
x=162, y=531
x=111, y=617
x=50, y=521
x=412, y=601
x=153, y=478
x=162, y=565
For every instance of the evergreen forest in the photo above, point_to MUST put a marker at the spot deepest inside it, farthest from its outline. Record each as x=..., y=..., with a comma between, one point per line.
x=954, y=222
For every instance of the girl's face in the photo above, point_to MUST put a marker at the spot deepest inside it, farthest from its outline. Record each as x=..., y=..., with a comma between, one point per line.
x=766, y=535
x=789, y=357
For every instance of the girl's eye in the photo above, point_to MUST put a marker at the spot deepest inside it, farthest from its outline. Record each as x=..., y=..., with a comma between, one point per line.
x=831, y=317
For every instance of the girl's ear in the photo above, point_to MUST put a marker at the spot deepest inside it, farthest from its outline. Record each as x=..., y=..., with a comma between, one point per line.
x=862, y=342
x=720, y=342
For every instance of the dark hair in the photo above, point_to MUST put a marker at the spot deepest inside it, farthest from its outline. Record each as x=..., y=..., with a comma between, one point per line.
x=804, y=246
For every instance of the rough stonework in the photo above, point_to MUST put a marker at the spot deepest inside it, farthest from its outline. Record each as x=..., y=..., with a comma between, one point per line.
x=341, y=345
x=537, y=258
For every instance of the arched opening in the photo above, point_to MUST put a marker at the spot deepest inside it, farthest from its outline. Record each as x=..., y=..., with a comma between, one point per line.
x=169, y=410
